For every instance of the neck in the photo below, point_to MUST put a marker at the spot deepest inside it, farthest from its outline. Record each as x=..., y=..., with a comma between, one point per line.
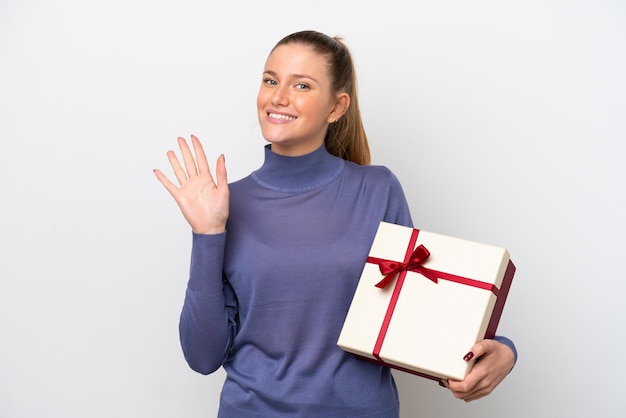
x=285, y=173
x=295, y=150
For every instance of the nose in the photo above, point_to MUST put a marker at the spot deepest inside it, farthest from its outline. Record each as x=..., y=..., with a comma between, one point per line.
x=280, y=96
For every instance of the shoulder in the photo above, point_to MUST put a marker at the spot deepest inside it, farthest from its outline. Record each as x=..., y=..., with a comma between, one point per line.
x=378, y=184
x=372, y=174
x=367, y=170
x=241, y=184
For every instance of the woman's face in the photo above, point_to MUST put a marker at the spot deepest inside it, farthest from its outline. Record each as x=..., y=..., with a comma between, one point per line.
x=295, y=101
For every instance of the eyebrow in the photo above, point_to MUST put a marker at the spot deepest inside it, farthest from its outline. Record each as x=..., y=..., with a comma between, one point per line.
x=273, y=73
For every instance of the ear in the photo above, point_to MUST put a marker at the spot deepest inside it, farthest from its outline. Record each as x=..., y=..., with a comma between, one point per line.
x=342, y=103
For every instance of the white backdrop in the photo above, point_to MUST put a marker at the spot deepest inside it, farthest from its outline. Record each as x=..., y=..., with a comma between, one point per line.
x=503, y=120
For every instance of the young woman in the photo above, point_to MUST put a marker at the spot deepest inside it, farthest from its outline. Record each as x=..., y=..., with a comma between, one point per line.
x=276, y=256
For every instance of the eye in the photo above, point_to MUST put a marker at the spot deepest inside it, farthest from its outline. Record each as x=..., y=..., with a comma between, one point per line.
x=302, y=86
x=269, y=81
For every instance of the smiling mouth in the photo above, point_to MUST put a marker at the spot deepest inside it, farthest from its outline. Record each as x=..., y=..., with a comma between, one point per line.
x=281, y=117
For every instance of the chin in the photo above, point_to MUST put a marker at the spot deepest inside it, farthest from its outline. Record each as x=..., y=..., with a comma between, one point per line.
x=273, y=137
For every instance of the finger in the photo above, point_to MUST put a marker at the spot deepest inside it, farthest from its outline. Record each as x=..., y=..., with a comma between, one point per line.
x=220, y=172
x=475, y=385
x=190, y=163
x=203, y=164
x=463, y=395
x=462, y=388
x=476, y=394
x=179, y=172
x=169, y=186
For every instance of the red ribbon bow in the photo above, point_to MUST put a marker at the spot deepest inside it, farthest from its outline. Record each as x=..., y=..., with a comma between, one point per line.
x=391, y=268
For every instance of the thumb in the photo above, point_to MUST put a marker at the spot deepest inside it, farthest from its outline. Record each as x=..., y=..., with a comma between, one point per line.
x=220, y=171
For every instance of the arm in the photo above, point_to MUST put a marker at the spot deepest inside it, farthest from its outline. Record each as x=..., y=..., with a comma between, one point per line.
x=207, y=321
x=205, y=324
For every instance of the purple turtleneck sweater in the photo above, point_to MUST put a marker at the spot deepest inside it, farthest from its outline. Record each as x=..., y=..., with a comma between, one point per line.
x=267, y=299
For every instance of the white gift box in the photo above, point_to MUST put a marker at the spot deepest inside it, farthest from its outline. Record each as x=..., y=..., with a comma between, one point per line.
x=431, y=307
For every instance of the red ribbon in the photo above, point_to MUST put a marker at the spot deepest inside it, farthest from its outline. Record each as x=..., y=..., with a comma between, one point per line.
x=391, y=268
x=413, y=261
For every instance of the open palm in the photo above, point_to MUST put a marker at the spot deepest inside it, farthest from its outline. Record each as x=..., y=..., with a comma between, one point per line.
x=203, y=201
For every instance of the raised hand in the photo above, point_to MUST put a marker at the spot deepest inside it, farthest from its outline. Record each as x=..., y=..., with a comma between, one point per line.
x=203, y=201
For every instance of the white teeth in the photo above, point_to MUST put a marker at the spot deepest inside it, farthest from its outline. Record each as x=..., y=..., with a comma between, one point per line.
x=282, y=117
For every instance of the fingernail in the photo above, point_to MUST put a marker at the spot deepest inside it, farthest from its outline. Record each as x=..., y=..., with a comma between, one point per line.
x=468, y=356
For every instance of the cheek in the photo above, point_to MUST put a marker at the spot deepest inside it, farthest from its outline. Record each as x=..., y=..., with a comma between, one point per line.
x=305, y=105
x=259, y=108
x=262, y=97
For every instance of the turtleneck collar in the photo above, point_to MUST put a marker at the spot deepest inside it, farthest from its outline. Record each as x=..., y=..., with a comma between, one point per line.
x=298, y=174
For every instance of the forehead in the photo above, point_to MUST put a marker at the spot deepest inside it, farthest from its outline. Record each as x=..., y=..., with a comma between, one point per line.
x=297, y=59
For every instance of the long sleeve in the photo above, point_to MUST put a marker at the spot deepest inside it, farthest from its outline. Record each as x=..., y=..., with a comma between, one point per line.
x=506, y=341
x=207, y=321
